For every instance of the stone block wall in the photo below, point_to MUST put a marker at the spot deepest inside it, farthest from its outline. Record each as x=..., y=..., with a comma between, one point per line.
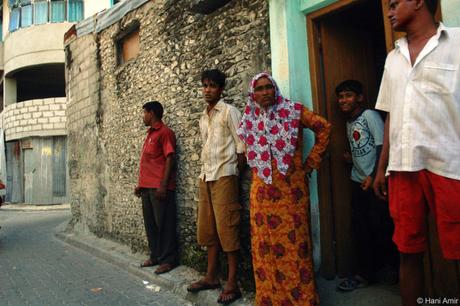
x=41, y=117
x=86, y=163
x=105, y=110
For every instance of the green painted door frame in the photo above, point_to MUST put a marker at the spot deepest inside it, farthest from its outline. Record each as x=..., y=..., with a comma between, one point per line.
x=290, y=68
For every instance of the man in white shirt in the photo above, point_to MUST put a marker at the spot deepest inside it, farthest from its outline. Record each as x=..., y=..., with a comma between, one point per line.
x=219, y=209
x=420, y=90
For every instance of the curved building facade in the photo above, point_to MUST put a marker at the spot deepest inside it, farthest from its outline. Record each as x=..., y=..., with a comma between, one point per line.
x=33, y=108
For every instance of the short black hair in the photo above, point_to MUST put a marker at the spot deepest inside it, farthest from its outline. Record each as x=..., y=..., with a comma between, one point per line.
x=432, y=6
x=350, y=85
x=214, y=75
x=155, y=107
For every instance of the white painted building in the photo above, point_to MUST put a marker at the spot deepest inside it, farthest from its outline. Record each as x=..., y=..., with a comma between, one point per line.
x=32, y=91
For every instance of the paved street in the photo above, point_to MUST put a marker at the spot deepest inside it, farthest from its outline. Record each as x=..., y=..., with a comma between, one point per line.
x=38, y=269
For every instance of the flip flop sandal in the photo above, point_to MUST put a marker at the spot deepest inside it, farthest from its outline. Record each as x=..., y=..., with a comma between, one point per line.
x=148, y=263
x=165, y=268
x=235, y=295
x=202, y=285
x=390, y=278
x=352, y=283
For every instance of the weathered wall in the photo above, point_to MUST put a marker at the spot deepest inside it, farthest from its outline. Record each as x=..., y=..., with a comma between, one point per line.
x=85, y=160
x=105, y=109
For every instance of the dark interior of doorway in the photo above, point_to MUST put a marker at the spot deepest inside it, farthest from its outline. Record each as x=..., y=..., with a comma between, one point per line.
x=365, y=20
x=352, y=46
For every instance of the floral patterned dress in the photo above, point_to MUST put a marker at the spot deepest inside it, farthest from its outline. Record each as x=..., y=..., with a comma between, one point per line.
x=281, y=244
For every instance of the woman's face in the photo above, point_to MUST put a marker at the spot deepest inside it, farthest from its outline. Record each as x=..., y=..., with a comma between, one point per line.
x=264, y=92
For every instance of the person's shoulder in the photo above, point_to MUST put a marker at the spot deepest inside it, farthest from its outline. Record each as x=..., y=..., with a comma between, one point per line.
x=231, y=107
x=392, y=56
x=392, y=59
x=300, y=106
x=371, y=113
x=453, y=34
x=452, y=30
x=167, y=130
x=203, y=114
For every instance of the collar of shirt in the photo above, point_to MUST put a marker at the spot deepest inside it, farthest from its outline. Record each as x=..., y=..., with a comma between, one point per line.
x=402, y=45
x=218, y=107
x=353, y=118
x=156, y=126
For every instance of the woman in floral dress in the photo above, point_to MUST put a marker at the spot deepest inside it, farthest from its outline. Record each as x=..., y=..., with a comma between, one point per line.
x=272, y=127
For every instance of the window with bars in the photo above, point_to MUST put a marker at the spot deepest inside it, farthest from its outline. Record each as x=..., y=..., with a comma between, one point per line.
x=24, y=13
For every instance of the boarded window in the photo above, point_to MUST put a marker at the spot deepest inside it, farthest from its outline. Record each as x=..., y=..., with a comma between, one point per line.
x=128, y=46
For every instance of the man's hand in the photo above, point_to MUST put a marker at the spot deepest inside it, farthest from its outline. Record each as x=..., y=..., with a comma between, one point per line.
x=138, y=191
x=308, y=170
x=366, y=183
x=161, y=193
x=241, y=159
x=380, y=185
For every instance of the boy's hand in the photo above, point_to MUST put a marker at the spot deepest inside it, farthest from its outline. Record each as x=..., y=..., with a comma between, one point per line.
x=380, y=185
x=347, y=157
x=366, y=183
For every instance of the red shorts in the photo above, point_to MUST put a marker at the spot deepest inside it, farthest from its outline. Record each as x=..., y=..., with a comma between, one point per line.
x=411, y=195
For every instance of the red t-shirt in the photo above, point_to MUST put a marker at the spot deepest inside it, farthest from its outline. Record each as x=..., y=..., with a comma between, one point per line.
x=159, y=143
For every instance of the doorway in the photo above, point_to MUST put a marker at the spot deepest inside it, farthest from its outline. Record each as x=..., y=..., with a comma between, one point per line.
x=348, y=42
x=349, y=39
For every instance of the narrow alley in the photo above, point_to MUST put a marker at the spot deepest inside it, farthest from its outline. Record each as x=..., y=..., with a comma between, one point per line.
x=38, y=269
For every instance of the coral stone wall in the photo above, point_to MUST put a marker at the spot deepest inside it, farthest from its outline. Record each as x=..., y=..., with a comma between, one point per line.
x=105, y=110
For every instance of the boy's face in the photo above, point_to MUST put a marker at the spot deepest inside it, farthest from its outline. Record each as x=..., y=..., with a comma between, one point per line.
x=349, y=101
x=211, y=91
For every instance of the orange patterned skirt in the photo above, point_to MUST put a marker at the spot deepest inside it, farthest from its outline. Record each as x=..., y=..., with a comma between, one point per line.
x=281, y=244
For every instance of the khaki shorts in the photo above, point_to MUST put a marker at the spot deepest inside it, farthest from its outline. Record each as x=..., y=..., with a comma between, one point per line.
x=219, y=213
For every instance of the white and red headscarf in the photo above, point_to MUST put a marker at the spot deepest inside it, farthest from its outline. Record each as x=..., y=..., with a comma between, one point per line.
x=270, y=133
